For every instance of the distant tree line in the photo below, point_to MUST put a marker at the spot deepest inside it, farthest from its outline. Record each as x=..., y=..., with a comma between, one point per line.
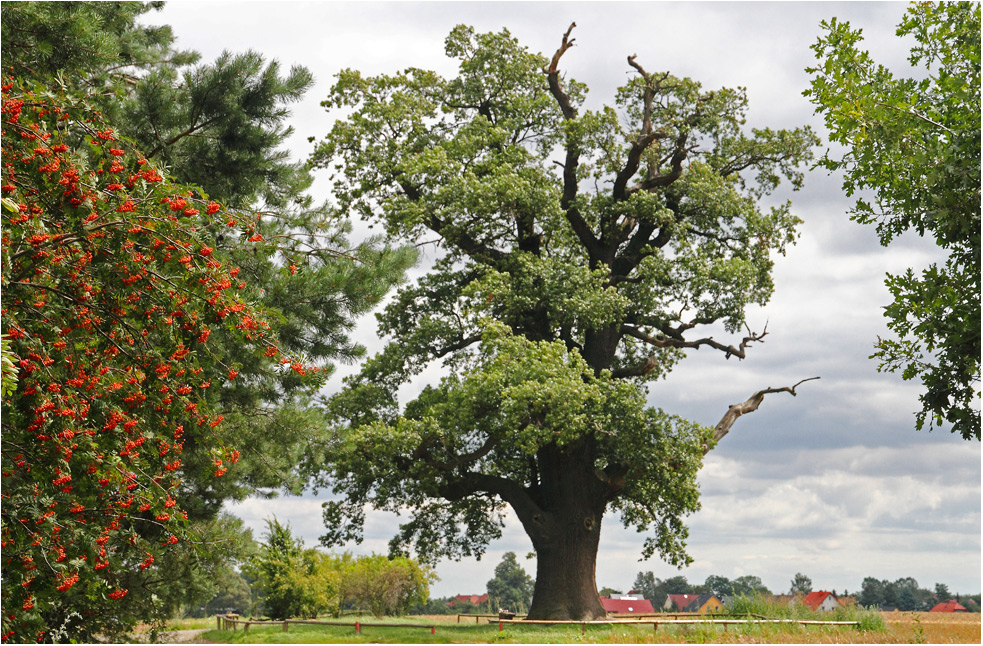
x=903, y=594
x=301, y=586
x=510, y=589
x=656, y=590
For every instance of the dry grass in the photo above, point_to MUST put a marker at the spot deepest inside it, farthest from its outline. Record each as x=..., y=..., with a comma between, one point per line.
x=934, y=627
x=900, y=628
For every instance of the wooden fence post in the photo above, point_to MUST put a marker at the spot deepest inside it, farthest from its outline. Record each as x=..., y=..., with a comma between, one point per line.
x=358, y=628
x=285, y=625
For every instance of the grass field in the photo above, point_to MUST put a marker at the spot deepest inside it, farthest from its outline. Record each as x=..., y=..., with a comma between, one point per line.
x=932, y=628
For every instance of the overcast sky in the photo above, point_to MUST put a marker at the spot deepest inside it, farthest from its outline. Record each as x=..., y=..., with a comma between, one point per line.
x=834, y=483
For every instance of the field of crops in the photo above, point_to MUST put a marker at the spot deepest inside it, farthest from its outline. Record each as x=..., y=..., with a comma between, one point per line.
x=934, y=628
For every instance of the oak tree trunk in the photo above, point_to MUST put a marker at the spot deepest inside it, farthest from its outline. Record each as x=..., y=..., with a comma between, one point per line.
x=565, y=530
x=566, y=587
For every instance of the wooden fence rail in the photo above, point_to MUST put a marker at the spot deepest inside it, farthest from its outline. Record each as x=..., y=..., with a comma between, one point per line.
x=229, y=622
x=614, y=615
x=478, y=617
x=683, y=615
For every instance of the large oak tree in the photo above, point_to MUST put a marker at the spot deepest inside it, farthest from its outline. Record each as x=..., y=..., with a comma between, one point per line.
x=582, y=252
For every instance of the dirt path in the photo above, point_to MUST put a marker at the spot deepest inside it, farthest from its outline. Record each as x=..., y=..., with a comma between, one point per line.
x=192, y=636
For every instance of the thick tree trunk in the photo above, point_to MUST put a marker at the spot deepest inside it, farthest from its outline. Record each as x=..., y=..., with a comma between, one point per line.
x=566, y=587
x=565, y=528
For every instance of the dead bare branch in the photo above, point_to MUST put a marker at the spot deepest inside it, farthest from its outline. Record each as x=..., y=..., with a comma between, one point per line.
x=749, y=405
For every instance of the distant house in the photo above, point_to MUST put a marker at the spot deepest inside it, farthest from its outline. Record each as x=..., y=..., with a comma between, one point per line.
x=702, y=603
x=679, y=602
x=627, y=606
x=949, y=606
x=825, y=601
x=705, y=603
x=633, y=595
x=473, y=599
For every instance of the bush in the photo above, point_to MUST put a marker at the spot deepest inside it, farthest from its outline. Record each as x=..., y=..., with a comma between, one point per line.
x=299, y=582
x=386, y=586
x=766, y=607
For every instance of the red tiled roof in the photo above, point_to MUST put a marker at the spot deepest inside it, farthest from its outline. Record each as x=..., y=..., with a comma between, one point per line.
x=949, y=606
x=473, y=599
x=815, y=599
x=627, y=606
x=681, y=601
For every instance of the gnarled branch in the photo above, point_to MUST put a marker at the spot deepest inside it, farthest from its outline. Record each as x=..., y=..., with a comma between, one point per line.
x=674, y=339
x=553, y=75
x=457, y=345
x=639, y=370
x=647, y=136
x=572, y=158
x=750, y=405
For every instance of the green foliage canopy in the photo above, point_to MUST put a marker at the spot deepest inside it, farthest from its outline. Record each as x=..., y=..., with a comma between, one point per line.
x=914, y=142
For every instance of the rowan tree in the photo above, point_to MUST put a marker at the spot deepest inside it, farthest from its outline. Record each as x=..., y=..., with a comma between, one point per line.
x=583, y=252
x=220, y=128
x=913, y=148
x=93, y=66
x=110, y=297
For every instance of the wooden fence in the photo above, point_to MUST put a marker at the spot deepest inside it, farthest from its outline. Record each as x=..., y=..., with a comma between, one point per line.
x=478, y=617
x=230, y=622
